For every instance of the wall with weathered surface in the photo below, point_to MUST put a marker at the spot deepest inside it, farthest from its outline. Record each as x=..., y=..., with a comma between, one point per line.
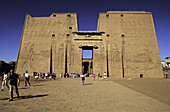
x=43, y=37
x=132, y=43
x=124, y=45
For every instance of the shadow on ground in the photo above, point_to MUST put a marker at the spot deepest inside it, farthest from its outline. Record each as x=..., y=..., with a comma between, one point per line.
x=37, y=85
x=88, y=84
x=22, y=88
x=27, y=97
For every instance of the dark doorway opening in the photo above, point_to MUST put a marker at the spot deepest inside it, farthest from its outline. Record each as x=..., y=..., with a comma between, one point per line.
x=85, y=67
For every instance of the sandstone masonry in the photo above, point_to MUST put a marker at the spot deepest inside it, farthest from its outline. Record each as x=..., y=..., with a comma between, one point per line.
x=124, y=45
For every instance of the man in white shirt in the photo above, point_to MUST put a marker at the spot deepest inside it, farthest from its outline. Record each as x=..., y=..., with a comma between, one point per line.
x=5, y=81
x=105, y=75
x=46, y=75
x=27, y=78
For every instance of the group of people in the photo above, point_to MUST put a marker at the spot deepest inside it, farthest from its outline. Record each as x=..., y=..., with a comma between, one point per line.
x=44, y=75
x=67, y=75
x=13, y=80
x=99, y=76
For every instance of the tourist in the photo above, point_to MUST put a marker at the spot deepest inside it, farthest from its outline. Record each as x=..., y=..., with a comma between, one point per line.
x=105, y=75
x=62, y=75
x=50, y=76
x=74, y=75
x=36, y=76
x=166, y=75
x=54, y=76
x=78, y=75
x=43, y=75
x=98, y=76
x=71, y=75
x=4, y=80
x=67, y=75
x=27, y=78
x=13, y=84
x=46, y=75
x=83, y=78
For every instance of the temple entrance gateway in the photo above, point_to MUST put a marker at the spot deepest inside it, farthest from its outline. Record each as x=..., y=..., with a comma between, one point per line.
x=87, y=66
x=87, y=58
x=114, y=48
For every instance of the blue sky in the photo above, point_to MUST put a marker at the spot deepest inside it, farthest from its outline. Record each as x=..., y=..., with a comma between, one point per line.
x=12, y=16
x=87, y=54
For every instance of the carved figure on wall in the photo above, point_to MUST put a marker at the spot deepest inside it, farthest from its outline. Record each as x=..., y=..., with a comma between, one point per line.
x=29, y=55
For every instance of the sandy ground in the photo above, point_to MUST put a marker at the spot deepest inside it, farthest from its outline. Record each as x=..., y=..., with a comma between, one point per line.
x=69, y=95
x=158, y=89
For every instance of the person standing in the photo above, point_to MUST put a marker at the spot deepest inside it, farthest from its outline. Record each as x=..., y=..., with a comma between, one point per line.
x=4, y=81
x=27, y=78
x=83, y=78
x=46, y=75
x=105, y=75
x=13, y=84
x=98, y=76
x=74, y=75
x=36, y=76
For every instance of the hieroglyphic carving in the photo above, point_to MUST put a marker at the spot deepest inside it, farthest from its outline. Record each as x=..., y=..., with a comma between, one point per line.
x=114, y=55
x=54, y=53
x=29, y=55
x=102, y=56
x=150, y=64
x=72, y=54
x=111, y=51
x=61, y=56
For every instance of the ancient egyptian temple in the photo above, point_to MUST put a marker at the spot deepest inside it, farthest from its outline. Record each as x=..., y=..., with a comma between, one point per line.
x=124, y=45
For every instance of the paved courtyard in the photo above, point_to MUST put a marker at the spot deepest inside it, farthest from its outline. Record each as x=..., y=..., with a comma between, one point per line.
x=69, y=95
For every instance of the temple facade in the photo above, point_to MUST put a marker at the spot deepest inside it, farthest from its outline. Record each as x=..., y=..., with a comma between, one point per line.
x=124, y=45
